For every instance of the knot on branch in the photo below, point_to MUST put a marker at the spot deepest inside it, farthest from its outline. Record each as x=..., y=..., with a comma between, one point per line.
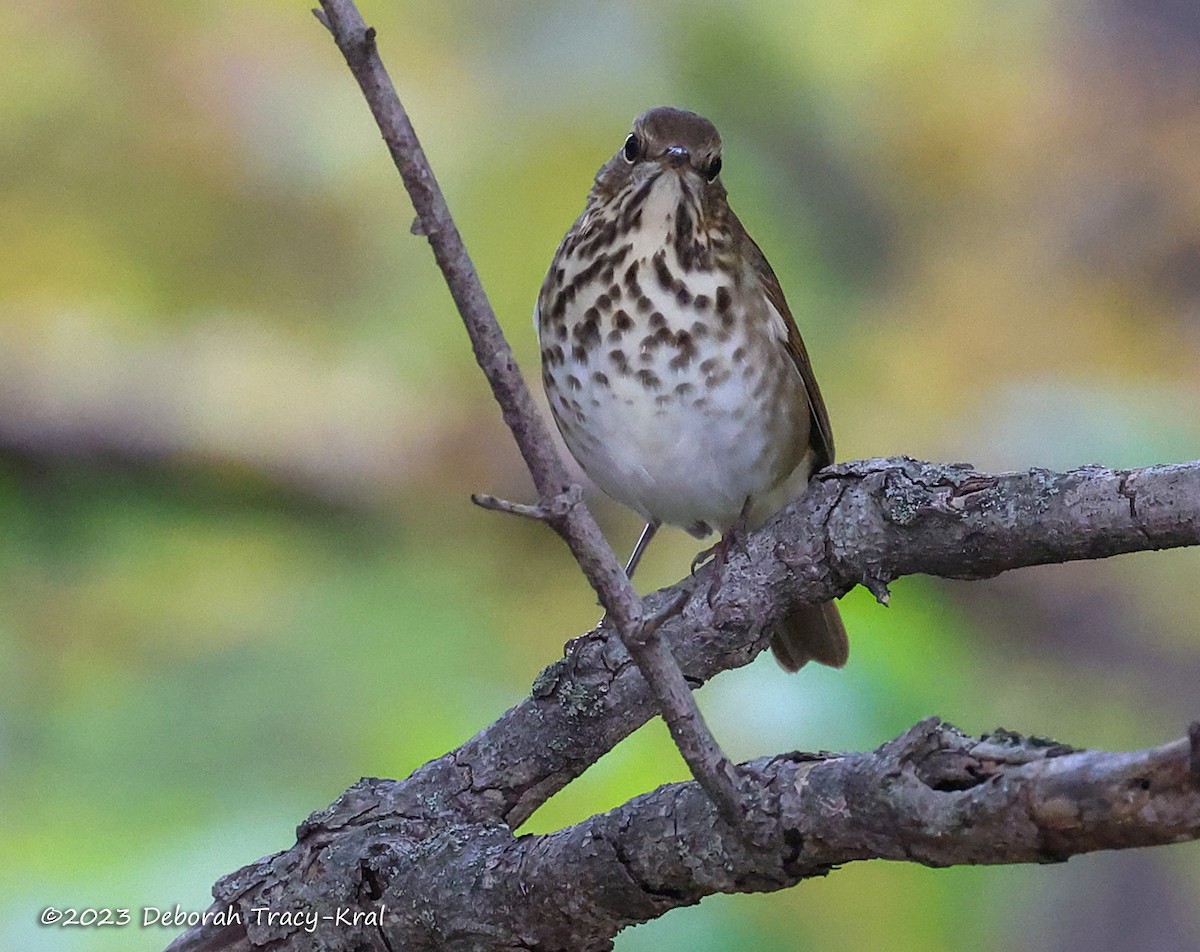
x=959, y=762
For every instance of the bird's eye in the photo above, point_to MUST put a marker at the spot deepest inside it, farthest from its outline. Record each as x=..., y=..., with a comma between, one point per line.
x=714, y=168
x=633, y=149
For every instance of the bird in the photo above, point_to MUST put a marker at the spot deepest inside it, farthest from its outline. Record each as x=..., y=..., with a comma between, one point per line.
x=672, y=364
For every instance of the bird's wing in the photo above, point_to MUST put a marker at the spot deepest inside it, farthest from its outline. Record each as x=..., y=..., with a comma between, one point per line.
x=822, y=433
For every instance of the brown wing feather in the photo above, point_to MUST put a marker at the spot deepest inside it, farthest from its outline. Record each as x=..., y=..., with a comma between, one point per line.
x=807, y=632
x=822, y=433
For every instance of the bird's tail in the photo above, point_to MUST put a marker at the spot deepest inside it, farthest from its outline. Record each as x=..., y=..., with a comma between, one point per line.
x=810, y=633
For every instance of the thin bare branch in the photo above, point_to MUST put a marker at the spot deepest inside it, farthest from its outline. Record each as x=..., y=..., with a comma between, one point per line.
x=577, y=527
x=557, y=508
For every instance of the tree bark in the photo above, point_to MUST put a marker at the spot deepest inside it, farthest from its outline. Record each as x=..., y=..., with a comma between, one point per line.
x=363, y=877
x=437, y=850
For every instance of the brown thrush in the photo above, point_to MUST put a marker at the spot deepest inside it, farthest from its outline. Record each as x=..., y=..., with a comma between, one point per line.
x=672, y=364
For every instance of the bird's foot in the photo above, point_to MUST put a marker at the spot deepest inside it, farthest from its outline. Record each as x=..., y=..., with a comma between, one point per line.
x=734, y=537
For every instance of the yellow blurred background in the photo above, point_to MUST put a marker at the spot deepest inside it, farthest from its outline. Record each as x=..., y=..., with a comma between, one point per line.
x=239, y=420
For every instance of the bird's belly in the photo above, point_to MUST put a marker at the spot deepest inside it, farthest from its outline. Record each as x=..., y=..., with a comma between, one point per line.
x=680, y=445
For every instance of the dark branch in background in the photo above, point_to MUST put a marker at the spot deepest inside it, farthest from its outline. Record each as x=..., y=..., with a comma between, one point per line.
x=874, y=519
x=574, y=523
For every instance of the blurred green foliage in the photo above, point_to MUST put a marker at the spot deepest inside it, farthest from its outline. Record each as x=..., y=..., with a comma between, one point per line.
x=239, y=421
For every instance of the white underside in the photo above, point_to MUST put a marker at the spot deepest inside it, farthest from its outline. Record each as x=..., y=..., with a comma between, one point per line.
x=684, y=470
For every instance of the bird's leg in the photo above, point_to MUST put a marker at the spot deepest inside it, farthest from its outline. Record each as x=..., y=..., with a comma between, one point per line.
x=638, y=551
x=640, y=548
x=705, y=554
x=735, y=535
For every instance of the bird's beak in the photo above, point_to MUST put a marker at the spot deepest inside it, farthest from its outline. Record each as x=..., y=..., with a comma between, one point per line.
x=676, y=157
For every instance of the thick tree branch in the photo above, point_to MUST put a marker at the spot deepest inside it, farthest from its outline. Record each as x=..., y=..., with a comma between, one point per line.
x=949, y=520
x=932, y=796
x=573, y=523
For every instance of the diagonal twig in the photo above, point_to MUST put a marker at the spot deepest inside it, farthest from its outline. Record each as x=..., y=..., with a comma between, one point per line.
x=575, y=524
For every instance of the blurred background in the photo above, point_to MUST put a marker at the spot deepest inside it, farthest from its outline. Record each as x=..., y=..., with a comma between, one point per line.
x=239, y=419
